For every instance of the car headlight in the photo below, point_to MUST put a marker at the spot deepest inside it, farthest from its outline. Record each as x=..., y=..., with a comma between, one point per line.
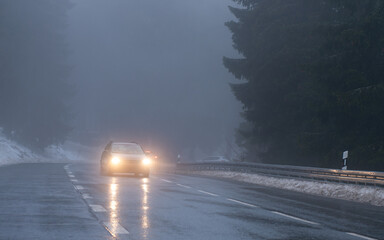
x=146, y=161
x=115, y=160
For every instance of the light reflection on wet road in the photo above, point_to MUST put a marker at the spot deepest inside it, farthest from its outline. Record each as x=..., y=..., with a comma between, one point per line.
x=145, y=225
x=171, y=206
x=113, y=206
x=166, y=206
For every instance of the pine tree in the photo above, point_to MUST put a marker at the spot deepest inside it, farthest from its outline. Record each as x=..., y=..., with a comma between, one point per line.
x=351, y=72
x=312, y=75
x=278, y=39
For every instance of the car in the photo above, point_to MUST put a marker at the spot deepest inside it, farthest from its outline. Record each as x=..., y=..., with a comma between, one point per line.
x=214, y=159
x=124, y=157
x=151, y=155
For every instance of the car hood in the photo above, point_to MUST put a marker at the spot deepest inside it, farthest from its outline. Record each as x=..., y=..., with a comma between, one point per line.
x=126, y=156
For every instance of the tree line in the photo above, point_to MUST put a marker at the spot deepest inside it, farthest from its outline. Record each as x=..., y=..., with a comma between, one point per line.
x=311, y=81
x=33, y=71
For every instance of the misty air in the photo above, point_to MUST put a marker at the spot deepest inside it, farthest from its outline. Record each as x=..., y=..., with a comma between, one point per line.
x=205, y=119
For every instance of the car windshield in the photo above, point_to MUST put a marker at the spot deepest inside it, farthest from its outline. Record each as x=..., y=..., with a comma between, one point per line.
x=126, y=148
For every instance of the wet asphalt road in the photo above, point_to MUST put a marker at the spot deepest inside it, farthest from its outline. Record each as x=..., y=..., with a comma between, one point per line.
x=58, y=201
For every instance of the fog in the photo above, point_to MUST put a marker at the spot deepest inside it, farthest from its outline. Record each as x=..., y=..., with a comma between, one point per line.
x=151, y=72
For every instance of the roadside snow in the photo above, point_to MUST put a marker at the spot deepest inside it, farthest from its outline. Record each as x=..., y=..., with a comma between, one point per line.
x=357, y=193
x=13, y=153
x=69, y=151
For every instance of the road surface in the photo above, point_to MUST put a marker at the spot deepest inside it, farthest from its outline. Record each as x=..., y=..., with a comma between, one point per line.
x=61, y=201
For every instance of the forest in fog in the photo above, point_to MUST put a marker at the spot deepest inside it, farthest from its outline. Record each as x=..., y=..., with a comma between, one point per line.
x=34, y=87
x=308, y=74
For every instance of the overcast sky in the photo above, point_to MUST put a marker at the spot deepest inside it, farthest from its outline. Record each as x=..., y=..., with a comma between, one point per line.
x=151, y=71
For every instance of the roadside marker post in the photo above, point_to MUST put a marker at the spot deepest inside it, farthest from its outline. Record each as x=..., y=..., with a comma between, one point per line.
x=345, y=156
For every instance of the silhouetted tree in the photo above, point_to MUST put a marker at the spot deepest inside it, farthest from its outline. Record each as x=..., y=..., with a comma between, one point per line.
x=312, y=77
x=278, y=39
x=33, y=71
x=350, y=72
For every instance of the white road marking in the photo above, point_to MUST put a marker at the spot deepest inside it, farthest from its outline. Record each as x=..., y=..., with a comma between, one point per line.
x=79, y=187
x=71, y=176
x=97, y=208
x=115, y=228
x=240, y=202
x=74, y=180
x=295, y=218
x=165, y=180
x=212, y=194
x=86, y=196
x=360, y=236
x=181, y=185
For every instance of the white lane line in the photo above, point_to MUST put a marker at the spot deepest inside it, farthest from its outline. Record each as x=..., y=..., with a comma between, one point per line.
x=212, y=194
x=74, y=180
x=181, y=185
x=360, y=236
x=240, y=202
x=97, y=208
x=86, y=196
x=295, y=218
x=115, y=228
x=71, y=176
x=79, y=187
x=165, y=180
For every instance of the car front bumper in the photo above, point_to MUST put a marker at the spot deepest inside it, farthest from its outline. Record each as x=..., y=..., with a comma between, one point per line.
x=129, y=167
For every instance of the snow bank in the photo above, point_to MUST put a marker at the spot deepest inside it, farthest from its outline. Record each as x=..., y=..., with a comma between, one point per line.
x=357, y=193
x=69, y=151
x=13, y=153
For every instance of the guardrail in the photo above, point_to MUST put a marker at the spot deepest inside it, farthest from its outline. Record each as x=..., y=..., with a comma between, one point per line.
x=323, y=174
